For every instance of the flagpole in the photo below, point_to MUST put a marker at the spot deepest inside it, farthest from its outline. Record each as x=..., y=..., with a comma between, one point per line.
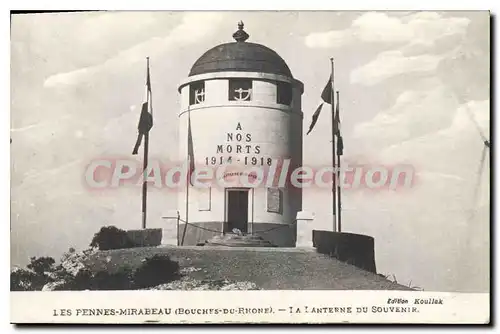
x=187, y=206
x=188, y=178
x=339, y=202
x=145, y=161
x=334, y=200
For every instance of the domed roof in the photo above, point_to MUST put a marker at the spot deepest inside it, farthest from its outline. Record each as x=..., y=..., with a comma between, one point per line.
x=240, y=56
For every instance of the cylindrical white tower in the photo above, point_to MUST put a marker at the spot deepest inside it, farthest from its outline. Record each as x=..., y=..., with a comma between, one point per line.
x=240, y=113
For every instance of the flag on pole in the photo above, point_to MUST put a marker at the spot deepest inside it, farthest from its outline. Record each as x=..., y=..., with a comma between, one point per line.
x=315, y=118
x=326, y=96
x=336, y=128
x=146, y=118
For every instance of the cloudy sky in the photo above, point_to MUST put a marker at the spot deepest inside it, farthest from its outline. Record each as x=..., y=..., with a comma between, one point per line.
x=414, y=90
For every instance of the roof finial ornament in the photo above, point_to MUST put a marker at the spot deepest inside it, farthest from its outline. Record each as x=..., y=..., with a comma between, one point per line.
x=240, y=35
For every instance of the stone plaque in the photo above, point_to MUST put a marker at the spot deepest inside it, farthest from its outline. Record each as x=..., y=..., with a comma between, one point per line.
x=204, y=199
x=274, y=199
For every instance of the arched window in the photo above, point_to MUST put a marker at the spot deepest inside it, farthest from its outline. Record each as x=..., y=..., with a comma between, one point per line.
x=284, y=93
x=197, y=92
x=240, y=90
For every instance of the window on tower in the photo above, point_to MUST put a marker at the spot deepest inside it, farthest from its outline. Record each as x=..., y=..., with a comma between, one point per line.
x=240, y=90
x=284, y=93
x=197, y=92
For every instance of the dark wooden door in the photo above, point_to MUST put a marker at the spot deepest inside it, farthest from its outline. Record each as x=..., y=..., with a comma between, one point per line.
x=237, y=210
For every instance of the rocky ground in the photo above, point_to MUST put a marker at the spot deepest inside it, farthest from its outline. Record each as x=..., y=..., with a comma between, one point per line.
x=73, y=262
x=188, y=283
x=269, y=268
x=235, y=268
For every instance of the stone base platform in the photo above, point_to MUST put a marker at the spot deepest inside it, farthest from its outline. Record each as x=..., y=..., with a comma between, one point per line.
x=279, y=235
x=236, y=240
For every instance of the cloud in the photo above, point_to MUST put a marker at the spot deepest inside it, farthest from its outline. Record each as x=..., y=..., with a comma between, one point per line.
x=329, y=39
x=418, y=41
x=186, y=33
x=433, y=176
x=42, y=175
x=68, y=78
x=471, y=116
x=375, y=27
x=391, y=63
x=29, y=127
x=452, y=149
x=426, y=125
x=450, y=196
x=434, y=125
x=413, y=114
x=449, y=90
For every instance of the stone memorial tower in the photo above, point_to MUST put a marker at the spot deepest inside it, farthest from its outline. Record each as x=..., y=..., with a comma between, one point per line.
x=240, y=112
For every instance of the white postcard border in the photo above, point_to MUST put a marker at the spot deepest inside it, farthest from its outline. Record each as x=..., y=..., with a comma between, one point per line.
x=287, y=306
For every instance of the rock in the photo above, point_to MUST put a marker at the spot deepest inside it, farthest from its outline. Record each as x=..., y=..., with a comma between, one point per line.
x=239, y=240
x=74, y=262
x=51, y=275
x=188, y=270
x=240, y=286
x=16, y=269
x=187, y=283
x=51, y=286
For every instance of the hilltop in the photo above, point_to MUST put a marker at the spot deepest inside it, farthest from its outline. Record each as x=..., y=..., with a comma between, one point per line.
x=267, y=268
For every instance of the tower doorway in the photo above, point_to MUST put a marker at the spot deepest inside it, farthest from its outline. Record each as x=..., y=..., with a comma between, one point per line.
x=237, y=209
